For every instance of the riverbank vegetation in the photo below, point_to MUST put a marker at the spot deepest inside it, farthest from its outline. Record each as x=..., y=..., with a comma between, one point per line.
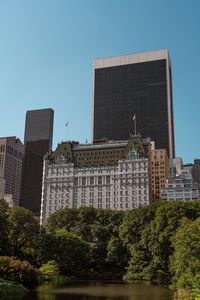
x=159, y=243
x=11, y=289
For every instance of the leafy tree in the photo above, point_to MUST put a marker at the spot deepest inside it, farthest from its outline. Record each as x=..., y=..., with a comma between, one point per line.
x=157, y=237
x=66, y=218
x=101, y=231
x=152, y=248
x=68, y=250
x=23, y=233
x=117, y=256
x=185, y=261
x=135, y=222
x=4, y=241
x=95, y=226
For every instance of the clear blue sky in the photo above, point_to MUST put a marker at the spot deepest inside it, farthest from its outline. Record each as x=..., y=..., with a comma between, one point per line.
x=47, y=48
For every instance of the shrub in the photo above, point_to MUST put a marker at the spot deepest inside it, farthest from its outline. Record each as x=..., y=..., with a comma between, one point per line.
x=14, y=269
x=183, y=294
x=49, y=271
x=11, y=289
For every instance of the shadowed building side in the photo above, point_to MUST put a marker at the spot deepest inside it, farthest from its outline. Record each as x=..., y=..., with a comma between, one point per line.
x=38, y=141
x=134, y=85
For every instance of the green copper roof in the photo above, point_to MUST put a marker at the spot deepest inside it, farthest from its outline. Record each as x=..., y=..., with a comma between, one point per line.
x=100, y=154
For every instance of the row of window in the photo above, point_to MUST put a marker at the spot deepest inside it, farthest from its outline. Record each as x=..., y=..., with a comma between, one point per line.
x=137, y=198
x=92, y=180
x=99, y=205
x=10, y=150
x=100, y=194
x=83, y=182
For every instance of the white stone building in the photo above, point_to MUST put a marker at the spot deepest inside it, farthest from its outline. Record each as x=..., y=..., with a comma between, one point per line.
x=107, y=175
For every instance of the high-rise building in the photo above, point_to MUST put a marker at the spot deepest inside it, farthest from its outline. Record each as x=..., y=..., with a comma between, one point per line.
x=107, y=175
x=37, y=141
x=159, y=172
x=136, y=86
x=11, y=156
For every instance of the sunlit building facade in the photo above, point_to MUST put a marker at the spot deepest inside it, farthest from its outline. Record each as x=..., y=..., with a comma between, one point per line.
x=105, y=175
x=11, y=157
x=159, y=172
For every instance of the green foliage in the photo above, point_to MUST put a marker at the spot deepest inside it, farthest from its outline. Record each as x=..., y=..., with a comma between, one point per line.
x=23, y=233
x=14, y=269
x=4, y=241
x=132, y=230
x=117, y=256
x=11, y=289
x=97, y=227
x=68, y=250
x=63, y=218
x=49, y=271
x=134, y=222
x=150, y=244
x=185, y=262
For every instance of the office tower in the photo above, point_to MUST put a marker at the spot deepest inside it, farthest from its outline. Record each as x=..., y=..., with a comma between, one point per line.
x=37, y=141
x=136, y=86
x=11, y=156
x=106, y=175
x=159, y=172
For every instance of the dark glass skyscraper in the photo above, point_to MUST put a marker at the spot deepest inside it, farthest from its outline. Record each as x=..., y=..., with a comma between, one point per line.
x=137, y=85
x=37, y=141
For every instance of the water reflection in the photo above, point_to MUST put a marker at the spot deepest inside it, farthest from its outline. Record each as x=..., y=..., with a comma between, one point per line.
x=101, y=291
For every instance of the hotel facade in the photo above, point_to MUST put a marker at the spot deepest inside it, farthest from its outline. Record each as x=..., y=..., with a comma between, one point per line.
x=105, y=175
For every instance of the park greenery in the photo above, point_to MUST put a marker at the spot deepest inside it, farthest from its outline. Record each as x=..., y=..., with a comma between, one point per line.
x=159, y=243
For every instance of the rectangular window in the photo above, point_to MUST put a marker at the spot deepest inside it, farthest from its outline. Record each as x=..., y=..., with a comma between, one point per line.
x=100, y=180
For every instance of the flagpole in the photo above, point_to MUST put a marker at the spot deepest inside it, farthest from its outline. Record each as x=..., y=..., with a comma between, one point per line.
x=66, y=125
x=134, y=120
x=135, y=124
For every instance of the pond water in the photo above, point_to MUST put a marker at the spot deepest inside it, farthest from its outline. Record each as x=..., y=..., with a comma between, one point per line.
x=100, y=291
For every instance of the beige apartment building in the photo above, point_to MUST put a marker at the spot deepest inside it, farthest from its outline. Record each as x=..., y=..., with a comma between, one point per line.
x=159, y=172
